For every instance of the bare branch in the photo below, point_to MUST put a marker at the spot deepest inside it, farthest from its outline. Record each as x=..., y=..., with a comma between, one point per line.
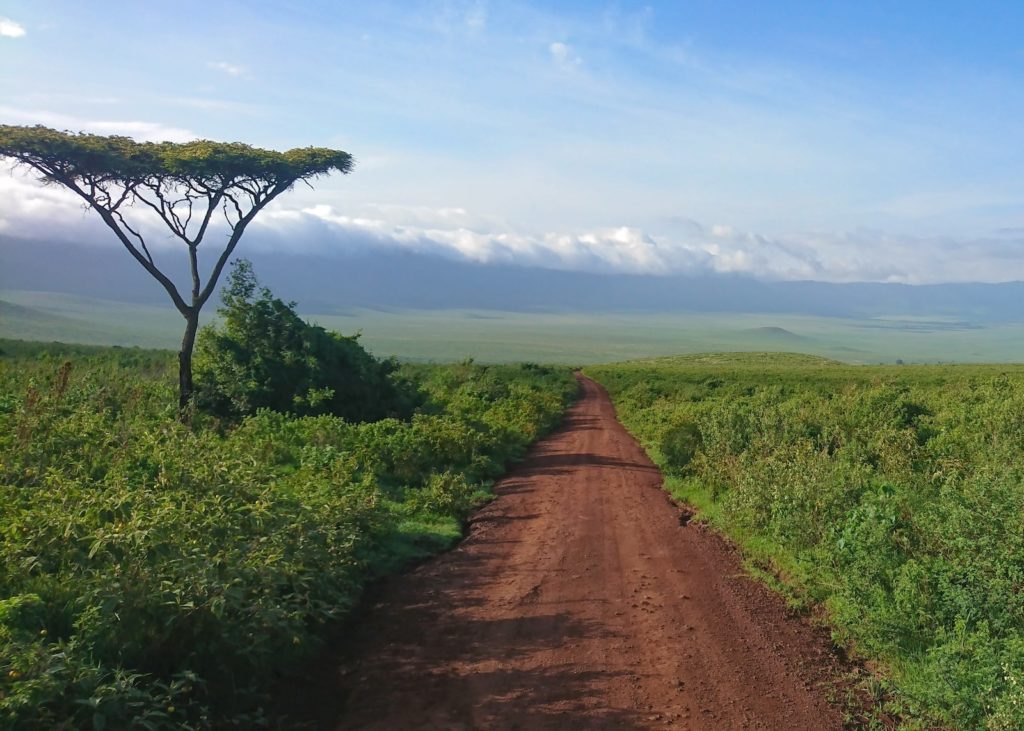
x=159, y=207
x=188, y=219
x=128, y=189
x=211, y=206
x=238, y=209
x=124, y=223
x=236, y=236
x=108, y=218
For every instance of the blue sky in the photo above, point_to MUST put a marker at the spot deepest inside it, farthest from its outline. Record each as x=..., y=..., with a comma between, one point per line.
x=819, y=140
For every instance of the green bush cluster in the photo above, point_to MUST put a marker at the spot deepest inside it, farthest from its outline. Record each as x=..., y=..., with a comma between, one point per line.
x=156, y=575
x=680, y=443
x=262, y=355
x=893, y=496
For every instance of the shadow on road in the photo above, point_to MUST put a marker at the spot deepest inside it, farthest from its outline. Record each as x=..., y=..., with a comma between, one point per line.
x=431, y=642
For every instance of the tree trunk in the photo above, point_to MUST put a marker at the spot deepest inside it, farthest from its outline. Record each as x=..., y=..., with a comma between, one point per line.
x=185, y=366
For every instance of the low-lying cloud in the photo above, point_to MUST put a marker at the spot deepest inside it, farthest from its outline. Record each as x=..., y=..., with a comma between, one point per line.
x=686, y=247
x=680, y=246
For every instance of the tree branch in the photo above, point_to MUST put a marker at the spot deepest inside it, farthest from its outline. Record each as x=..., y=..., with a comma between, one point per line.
x=236, y=235
x=238, y=210
x=108, y=218
x=120, y=217
x=160, y=208
x=210, y=208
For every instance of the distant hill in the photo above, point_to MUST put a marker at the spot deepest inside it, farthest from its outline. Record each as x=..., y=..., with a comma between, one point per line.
x=775, y=333
x=335, y=283
x=78, y=319
x=33, y=324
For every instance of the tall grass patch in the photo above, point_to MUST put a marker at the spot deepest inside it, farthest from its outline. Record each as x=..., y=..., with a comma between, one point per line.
x=157, y=575
x=893, y=496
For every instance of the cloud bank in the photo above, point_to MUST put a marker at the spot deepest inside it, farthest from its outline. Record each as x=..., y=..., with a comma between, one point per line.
x=680, y=246
x=683, y=247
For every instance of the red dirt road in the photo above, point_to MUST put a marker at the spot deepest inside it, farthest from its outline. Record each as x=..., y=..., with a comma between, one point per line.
x=579, y=601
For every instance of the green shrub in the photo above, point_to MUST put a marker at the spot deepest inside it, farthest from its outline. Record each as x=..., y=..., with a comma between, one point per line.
x=680, y=444
x=264, y=355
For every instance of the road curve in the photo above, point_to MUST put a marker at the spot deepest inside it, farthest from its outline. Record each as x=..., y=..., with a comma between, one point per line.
x=579, y=600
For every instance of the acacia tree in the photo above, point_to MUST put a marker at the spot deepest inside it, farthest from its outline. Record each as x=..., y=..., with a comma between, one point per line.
x=183, y=185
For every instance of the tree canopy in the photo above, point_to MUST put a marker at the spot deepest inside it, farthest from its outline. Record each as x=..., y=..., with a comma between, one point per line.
x=87, y=158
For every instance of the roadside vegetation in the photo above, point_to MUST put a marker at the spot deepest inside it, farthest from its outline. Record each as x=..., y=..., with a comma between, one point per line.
x=891, y=496
x=155, y=574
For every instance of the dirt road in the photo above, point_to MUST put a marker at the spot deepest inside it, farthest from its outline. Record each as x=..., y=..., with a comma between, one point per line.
x=580, y=601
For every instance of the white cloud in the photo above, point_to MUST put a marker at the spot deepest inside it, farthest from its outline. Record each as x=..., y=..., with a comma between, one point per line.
x=427, y=217
x=140, y=131
x=853, y=256
x=231, y=69
x=48, y=212
x=36, y=211
x=565, y=58
x=10, y=29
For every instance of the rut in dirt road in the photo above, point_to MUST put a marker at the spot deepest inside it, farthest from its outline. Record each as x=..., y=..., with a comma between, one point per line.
x=579, y=601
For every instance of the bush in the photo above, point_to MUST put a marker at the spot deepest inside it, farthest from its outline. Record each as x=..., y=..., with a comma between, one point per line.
x=680, y=444
x=265, y=356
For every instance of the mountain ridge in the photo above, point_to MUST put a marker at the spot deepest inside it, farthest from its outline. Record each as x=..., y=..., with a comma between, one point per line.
x=331, y=282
